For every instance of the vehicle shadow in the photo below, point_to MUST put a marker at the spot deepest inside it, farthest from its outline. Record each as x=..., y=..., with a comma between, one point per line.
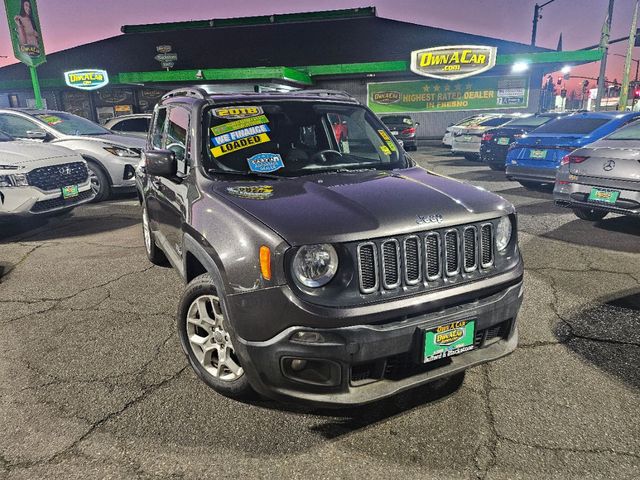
x=617, y=233
x=84, y=220
x=606, y=333
x=341, y=421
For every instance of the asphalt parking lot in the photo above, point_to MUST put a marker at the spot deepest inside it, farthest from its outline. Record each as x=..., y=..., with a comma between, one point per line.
x=93, y=383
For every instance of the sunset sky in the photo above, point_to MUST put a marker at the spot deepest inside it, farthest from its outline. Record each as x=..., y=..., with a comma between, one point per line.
x=67, y=23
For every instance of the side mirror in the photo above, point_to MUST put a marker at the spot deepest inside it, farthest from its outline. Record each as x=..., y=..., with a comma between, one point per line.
x=160, y=163
x=36, y=134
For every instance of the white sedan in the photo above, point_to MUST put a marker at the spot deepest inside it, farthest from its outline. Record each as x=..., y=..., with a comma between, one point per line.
x=36, y=178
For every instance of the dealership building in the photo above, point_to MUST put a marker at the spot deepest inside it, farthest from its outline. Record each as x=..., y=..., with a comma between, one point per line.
x=352, y=50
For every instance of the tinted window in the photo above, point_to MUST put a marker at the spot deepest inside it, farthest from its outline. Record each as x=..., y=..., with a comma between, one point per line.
x=69, y=124
x=16, y=126
x=177, y=132
x=528, y=122
x=577, y=125
x=494, y=122
x=395, y=119
x=630, y=132
x=132, y=125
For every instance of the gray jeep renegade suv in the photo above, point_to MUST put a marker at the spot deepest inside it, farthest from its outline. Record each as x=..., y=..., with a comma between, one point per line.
x=321, y=268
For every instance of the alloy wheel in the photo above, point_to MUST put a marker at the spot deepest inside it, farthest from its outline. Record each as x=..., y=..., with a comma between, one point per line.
x=95, y=182
x=209, y=340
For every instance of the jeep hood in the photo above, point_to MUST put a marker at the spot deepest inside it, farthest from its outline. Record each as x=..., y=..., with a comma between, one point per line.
x=342, y=207
x=28, y=153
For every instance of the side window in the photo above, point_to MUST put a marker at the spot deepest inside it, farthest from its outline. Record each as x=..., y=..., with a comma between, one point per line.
x=132, y=125
x=16, y=126
x=159, y=124
x=177, y=134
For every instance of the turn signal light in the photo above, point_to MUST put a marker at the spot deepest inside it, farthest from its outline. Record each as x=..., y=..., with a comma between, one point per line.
x=487, y=137
x=265, y=262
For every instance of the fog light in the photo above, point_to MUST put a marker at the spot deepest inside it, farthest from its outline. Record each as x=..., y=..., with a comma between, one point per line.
x=129, y=172
x=298, y=364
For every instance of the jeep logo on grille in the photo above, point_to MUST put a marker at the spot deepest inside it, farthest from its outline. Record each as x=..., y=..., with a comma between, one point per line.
x=426, y=219
x=66, y=170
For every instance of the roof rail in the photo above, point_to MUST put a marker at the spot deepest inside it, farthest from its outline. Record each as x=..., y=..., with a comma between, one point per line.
x=194, y=92
x=324, y=93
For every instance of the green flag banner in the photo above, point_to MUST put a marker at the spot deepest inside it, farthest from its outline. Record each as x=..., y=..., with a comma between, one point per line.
x=24, y=28
x=480, y=93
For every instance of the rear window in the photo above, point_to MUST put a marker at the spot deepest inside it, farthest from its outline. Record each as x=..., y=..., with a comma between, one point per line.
x=395, y=119
x=630, y=132
x=577, y=125
x=494, y=122
x=528, y=122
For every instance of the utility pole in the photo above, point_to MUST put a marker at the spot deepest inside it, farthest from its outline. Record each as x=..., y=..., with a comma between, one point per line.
x=624, y=91
x=536, y=16
x=604, y=48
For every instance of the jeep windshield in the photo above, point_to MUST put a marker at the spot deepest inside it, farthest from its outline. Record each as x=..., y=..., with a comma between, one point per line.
x=69, y=124
x=288, y=139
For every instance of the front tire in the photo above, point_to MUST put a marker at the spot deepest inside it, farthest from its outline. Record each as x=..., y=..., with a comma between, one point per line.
x=590, y=214
x=99, y=182
x=207, y=341
x=496, y=167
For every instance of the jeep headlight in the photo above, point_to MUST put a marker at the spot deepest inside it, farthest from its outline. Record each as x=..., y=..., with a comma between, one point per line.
x=503, y=233
x=315, y=265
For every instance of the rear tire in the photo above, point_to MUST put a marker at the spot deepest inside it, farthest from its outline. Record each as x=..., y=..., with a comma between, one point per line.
x=154, y=254
x=590, y=214
x=496, y=167
x=99, y=182
x=529, y=185
x=207, y=341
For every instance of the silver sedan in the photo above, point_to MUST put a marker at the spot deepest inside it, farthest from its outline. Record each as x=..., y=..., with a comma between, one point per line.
x=602, y=177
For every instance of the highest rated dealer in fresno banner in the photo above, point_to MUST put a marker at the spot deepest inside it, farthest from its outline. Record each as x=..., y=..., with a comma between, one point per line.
x=479, y=93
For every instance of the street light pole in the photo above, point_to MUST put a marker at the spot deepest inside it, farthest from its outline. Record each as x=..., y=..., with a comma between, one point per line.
x=536, y=17
x=604, y=47
x=624, y=91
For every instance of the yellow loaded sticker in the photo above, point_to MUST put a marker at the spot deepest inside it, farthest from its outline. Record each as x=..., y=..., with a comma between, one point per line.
x=385, y=150
x=239, y=144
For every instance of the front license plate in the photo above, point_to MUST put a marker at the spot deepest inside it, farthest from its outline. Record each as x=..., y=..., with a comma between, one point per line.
x=538, y=153
x=448, y=340
x=503, y=141
x=604, y=196
x=70, y=191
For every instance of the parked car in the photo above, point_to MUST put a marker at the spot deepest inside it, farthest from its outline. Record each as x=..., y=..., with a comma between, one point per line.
x=496, y=141
x=447, y=139
x=111, y=158
x=318, y=271
x=466, y=140
x=603, y=176
x=536, y=157
x=136, y=124
x=39, y=179
x=403, y=128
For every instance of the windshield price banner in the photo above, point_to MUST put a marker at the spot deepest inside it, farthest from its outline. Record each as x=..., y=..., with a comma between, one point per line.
x=480, y=93
x=24, y=28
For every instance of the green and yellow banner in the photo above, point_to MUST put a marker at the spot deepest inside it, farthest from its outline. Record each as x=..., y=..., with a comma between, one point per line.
x=24, y=28
x=479, y=93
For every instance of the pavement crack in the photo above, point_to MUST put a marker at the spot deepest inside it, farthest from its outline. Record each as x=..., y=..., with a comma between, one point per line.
x=569, y=449
x=491, y=422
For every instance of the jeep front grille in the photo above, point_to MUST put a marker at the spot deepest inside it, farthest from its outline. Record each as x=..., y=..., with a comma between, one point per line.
x=430, y=259
x=55, y=177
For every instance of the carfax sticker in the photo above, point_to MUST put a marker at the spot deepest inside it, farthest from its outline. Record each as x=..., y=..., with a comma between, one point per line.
x=253, y=192
x=265, y=162
x=240, y=144
x=448, y=340
x=238, y=124
x=237, y=112
x=238, y=134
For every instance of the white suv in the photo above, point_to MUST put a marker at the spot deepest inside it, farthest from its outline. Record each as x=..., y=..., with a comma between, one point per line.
x=36, y=178
x=111, y=158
